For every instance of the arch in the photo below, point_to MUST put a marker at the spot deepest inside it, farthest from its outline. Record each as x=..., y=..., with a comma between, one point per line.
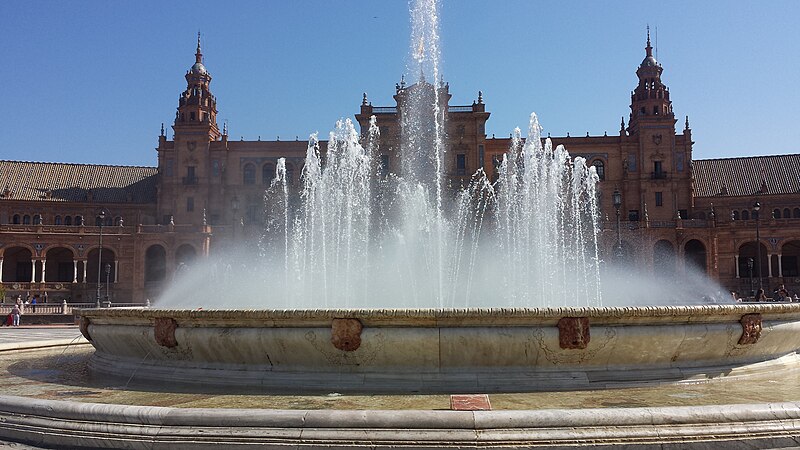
x=790, y=259
x=155, y=263
x=57, y=220
x=267, y=173
x=93, y=258
x=185, y=254
x=59, y=264
x=796, y=213
x=249, y=174
x=67, y=220
x=664, y=258
x=26, y=219
x=37, y=219
x=79, y=220
x=694, y=255
x=787, y=213
x=776, y=213
x=16, y=220
x=17, y=265
x=600, y=167
x=748, y=252
x=117, y=221
x=735, y=215
x=745, y=214
x=107, y=221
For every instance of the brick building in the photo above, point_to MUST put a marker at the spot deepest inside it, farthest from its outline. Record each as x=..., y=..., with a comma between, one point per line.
x=207, y=191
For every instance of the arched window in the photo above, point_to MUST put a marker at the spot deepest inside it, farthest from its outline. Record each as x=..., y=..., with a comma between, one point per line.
x=249, y=174
x=745, y=215
x=117, y=221
x=787, y=213
x=16, y=220
x=796, y=213
x=67, y=220
x=776, y=213
x=735, y=215
x=26, y=219
x=78, y=220
x=57, y=220
x=37, y=219
x=600, y=167
x=267, y=173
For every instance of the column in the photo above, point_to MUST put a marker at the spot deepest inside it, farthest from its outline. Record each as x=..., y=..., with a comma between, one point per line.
x=769, y=265
x=780, y=266
x=74, y=270
x=84, y=271
x=116, y=271
x=1, y=270
x=44, y=265
x=33, y=271
x=737, y=266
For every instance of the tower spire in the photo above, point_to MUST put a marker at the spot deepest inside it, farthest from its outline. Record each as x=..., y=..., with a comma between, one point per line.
x=648, y=48
x=199, y=54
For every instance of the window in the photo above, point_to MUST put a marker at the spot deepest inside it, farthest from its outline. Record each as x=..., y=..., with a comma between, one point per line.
x=118, y=221
x=384, y=168
x=168, y=168
x=745, y=215
x=796, y=213
x=632, y=162
x=249, y=174
x=16, y=220
x=191, y=175
x=735, y=215
x=461, y=164
x=786, y=213
x=215, y=167
x=37, y=219
x=191, y=115
x=633, y=215
x=252, y=213
x=655, y=110
x=57, y=220
x=600, y=167
x=190, y=204
x=67, y=220
x=166, y=219
x=776, y=213
x=658, y=170
x=481, y=155
x=659, y=199
x=684, y=213
x=267, y=173
x=78, y=220
x=26, y=219
x=754, y=215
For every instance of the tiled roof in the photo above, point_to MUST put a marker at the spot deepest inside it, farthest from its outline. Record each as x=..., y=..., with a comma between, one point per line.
x=778, y=174
x=60, y=182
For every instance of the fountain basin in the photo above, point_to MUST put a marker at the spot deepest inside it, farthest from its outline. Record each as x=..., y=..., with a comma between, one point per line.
x=432, y=350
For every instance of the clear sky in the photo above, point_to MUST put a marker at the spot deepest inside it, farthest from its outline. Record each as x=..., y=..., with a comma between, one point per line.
x=92, y=81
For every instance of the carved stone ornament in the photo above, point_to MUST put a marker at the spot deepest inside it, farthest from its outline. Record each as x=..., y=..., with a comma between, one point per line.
x=191, y=145
x=751, y=329
x=164, y=330
x=573, y=332
x=657, y=139
x=346, y=334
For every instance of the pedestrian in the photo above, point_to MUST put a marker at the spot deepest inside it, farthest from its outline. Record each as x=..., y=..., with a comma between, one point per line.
x=761, y=296
x=33, y=303
x=15, y=313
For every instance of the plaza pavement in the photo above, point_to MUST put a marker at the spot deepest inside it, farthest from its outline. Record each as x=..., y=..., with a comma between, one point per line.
x=12, y=338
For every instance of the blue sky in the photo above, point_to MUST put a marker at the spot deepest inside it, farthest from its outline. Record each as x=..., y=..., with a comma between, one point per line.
x=92, y=81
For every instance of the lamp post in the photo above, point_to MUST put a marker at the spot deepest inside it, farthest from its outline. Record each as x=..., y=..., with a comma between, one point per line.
x=108, y=274
x=750, y=271
x=756, y=208
x=102, y=218
x=616, y=197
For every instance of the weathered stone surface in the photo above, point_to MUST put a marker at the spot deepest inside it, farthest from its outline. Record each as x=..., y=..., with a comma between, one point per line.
x=84, y=327
x=573, y=332
x=346, y=334
x=751, y=329
x=164, y=330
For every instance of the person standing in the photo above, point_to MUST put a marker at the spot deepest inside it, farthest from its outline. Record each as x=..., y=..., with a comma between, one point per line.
x=33, y=303
x=15, y=313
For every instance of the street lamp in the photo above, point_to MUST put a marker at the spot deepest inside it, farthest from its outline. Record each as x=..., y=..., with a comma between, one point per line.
x=108, y=274
x=102, y=218
x=616, y=197
x=757, y=207
x=750, y=271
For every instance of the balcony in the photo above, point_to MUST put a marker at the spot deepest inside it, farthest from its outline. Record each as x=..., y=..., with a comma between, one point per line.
x=661, y=175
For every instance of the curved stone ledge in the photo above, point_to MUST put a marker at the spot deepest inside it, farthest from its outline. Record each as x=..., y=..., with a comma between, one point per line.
x=62, y=423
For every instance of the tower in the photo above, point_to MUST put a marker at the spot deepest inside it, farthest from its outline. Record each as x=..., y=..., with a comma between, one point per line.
x=650, y=103
x=184, y=163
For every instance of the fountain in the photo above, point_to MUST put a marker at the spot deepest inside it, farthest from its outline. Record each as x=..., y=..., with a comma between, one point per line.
x=401, y=285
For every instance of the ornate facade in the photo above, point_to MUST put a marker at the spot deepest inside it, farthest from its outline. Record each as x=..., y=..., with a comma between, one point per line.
x=207, y=191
